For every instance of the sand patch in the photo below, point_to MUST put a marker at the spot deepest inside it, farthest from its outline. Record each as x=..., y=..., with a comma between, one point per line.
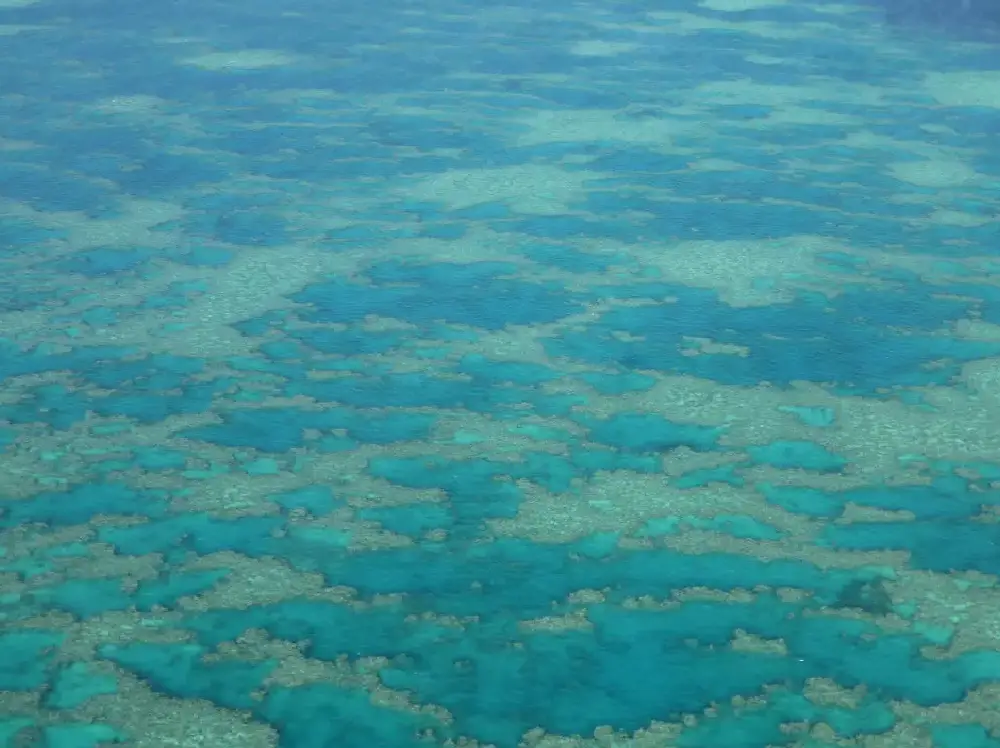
x=249, y=59
x=967, y=88
x=934, y=173
x=12, y=30
x=739, y=6
x=590, y=125
x=598, y=48
x=529, y=189
x=956, y=218
x=744, y=273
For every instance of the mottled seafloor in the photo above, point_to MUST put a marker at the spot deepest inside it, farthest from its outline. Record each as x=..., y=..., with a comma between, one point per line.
x=391, y=374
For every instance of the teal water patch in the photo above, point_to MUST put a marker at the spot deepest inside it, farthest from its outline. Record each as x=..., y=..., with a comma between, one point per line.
x=970, y=547
x=750, y=729
x=283, y=350
x=55, y=405
x=816, y=416
x=170, y=586
x=25, y=659
x=645, y=433
x=812, y=339
x=180, y=670
x=419, y=390
x=618, y=384
x=476, y=489
x=477, y=294
x=317, y=500
x=106, y=261
x=943, y=498
x=797, y=454
x=588, y=461
x=26, y=568
x=81, y=735
x=347, y=342
x=541, y=432
x=565, y=257
x=413, y=520
x=983, y=472
x=205, y=256
x=261, y=467
x=76, y=683
x=159, y=458
x=799, y=500
x=84, y=598
x=500, y=372
x=962, y=736
x=332, y=444
x=9, y=728
x=624, y=678
x=346, y=717
x=483, y=212
x=738, y=526
x=82, y=503
x=283, y=429
x=728, y=474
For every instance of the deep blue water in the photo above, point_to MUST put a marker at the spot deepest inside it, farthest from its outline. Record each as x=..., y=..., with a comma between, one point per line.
x=435, y=374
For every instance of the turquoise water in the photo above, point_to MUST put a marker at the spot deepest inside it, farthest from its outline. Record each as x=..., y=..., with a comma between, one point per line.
x=440, y=374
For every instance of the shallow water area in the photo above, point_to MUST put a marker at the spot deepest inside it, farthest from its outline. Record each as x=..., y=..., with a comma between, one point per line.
x=446, y=374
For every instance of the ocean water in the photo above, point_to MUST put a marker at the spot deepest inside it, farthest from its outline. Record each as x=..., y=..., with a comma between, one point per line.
x=596, y=374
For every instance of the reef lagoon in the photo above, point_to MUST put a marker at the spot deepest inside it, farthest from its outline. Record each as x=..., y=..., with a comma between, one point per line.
x=520, y=375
